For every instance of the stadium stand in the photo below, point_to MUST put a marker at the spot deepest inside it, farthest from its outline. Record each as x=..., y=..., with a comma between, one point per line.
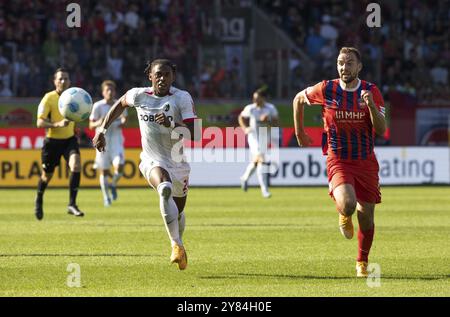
x=409, y=53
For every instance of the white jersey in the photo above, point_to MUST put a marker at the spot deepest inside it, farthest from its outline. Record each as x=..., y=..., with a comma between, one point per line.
x=156, y=139
x=254, y=113
x=113, y=135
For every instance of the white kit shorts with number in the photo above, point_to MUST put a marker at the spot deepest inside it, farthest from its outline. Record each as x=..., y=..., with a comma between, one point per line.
x=179, y=174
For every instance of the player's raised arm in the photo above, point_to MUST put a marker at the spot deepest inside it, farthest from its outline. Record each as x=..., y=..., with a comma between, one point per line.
x=298, y=105
x=114, y=113
x=377, y=117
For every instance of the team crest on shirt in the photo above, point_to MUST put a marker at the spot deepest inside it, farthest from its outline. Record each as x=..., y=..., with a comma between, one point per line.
x=167, y=107
x=361, y=103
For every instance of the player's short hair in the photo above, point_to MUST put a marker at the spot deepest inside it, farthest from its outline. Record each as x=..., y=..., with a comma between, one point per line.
x=261, y=92
x=60, y=69
x=108, y=83
x=159, y=61
x=354, y=50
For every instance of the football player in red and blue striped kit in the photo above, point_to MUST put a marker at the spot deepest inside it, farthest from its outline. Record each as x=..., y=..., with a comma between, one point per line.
x=352, y=111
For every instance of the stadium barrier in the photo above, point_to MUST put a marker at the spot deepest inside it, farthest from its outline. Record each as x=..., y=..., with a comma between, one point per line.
x=33, y=138
x=213, y=167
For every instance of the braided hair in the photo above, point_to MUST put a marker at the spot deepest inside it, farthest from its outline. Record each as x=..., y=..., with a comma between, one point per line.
x=159, y=61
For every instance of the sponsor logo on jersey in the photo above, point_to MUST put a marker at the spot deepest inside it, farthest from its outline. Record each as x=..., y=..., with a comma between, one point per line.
x=151, y=117
x=350, y=115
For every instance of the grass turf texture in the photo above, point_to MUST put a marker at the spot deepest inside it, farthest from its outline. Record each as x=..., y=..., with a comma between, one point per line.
x=238, y=245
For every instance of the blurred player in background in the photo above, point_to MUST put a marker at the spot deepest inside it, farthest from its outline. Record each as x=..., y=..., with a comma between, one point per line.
x=60, y=141
x=161, y=108
x=256, y=120
x=352, y=110
x=114, y=153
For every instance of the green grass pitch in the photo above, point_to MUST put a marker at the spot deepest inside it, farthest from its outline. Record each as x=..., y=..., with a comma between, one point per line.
x=238, y=244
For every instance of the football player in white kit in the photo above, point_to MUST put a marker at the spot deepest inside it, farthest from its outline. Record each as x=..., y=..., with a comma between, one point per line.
x=114, y=154
x=256, y=120
x=161, y=108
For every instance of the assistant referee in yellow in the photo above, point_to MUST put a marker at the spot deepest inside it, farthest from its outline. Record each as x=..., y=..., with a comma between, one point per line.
x=60, y=141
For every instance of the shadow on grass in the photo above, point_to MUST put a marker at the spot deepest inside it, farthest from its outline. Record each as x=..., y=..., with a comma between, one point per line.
x=202, y=225
x=312, y=277
x=79, y=255
x=251, y=225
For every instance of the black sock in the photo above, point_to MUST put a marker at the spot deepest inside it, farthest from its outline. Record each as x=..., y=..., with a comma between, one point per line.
x=74, y=183
x=40, y=190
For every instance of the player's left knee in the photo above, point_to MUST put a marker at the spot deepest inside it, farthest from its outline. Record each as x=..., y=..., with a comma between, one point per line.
x=347, y=205
x=165, y=190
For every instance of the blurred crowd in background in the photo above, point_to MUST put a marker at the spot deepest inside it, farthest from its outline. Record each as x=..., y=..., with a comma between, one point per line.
x=115, y=40
x=410, y=52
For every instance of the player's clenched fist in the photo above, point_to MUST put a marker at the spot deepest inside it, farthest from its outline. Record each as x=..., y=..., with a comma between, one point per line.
x=99, y=142
x=367, y=96
x=162, y=119
x=303, y=139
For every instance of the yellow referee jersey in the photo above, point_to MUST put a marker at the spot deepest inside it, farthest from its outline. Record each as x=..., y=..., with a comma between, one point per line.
x=48, y=109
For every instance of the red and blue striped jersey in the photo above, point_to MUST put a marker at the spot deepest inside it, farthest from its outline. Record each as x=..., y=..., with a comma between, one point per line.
x=348, y=130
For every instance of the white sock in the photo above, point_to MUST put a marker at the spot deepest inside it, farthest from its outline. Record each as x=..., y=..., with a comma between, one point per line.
x=116, y=178
x=169, y=212
x=248, y=171
x=262, y=177
x=181, y=223
x=104, y=186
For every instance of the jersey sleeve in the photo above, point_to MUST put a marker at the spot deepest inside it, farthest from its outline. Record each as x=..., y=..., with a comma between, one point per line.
x=131, y=97
x=187, y=108
x=95, y=115
x=246, y=112
x=378, y=99
x=314, y=94
x=43, y=108
x=273, y=112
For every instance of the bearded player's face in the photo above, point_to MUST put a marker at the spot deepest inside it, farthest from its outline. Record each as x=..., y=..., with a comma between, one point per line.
x=162, y=77
x=348, y=67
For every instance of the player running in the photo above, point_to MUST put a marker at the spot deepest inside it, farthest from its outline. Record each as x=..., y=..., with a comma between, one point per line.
x=59, y=141
x=114, y=154
x=352, y=110
x=256, y=120
x=161, y=108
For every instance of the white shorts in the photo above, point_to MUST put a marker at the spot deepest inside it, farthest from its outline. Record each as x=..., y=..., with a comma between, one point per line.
x=178, y=174
x=257, y=147
x=112, y=156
